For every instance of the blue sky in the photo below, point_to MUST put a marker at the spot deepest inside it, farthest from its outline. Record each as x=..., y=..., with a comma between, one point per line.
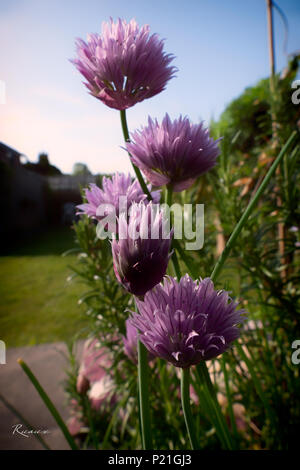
x=220, y=47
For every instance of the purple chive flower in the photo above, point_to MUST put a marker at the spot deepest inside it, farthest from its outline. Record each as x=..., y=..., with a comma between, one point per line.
x=92, y=365
x=173, y=153
x=188, y=321
x=112, y=188
x=141, y=254
x=125, y=65
x=130, y=341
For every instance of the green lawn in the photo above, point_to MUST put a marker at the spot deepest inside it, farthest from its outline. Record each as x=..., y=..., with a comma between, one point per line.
x=38, y=304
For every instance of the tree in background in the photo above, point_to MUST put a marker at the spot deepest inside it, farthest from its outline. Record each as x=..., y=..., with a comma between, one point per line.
x=250, y=113
x=81, y=169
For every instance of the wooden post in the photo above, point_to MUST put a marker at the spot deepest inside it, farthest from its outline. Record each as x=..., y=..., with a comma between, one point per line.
x=271, y=37
x=275, y=144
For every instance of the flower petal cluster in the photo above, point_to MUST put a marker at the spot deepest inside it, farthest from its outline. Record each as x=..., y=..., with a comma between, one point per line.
x=187, y=321
x=141, y=254
x=92, y=367
x=109, y=195
x=124, y=65
x=173, y=153
x=130, y=341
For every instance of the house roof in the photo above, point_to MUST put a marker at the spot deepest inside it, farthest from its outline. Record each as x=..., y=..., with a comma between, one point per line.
x=9, y=150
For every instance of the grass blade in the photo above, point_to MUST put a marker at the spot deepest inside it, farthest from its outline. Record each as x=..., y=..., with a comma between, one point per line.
x=60, y=422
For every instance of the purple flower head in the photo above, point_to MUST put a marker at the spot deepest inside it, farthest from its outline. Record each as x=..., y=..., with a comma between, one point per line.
x=130, y=341
x=112, y=188
x=92, y=365
x=173, y=153
x=102, y=393
x=124, y=65
x=141, y=254
x=188, y=321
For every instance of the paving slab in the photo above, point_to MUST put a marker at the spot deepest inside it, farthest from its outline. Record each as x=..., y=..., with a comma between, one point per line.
x=48, y=362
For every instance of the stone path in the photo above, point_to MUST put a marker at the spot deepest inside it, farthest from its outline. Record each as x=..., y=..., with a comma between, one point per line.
x=48, y=363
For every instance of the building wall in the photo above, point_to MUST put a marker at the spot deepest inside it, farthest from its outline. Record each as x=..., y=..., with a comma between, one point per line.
x=30, y=201
x=22, y=202
x=70, y=182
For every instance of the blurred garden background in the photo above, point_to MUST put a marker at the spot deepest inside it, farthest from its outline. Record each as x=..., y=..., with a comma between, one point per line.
x=56, y=278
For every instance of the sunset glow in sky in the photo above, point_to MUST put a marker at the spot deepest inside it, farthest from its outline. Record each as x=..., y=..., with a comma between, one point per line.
x=220, y=47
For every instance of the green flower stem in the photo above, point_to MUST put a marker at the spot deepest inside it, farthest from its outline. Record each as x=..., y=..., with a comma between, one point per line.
x=208, y=407
x=144, y=397
x=257, y=385
x=175, y=262
x=238, y=228
x=229, y=398
x=88, y=409
x=136, y=169
x=176, y=265
x=175, y=243
x=219, y=421
x=169, y=195
x=105, y=443
x=185, y=259
x=186, y=406
x=49, y=404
